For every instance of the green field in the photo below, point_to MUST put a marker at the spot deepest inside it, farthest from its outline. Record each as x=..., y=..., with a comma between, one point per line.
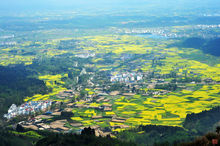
x=169, y=109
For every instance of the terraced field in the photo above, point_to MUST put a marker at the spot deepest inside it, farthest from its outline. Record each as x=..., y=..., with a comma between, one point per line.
x=169, y=109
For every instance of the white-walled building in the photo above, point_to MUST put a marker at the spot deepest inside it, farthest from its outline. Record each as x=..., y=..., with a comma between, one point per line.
x=27, y=108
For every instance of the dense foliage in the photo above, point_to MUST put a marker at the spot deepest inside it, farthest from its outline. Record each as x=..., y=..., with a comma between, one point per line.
x=8, y=138
x=156, y=135
x=206, y=140
x=15, y=84
x=204, y=121
x=44, y=138
x=81, y=140
x=194, y=125
x=210, y=46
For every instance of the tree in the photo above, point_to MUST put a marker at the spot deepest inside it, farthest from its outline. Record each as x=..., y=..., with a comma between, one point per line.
x=19, y=128
x=133, y=90
x=218, y=129
x=88, y=131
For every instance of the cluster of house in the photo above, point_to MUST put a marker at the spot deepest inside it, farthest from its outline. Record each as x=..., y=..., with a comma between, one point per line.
x=27, y=108
x=166, y=32
x=207, y=26
x=8, y=43
x=97, y=98
x=7, y=36
x=151, y=31
x=66, y=94
x=126, y=77
x=85, y=55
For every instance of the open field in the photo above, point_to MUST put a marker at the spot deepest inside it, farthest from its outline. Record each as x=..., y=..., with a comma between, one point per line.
x=139, y=109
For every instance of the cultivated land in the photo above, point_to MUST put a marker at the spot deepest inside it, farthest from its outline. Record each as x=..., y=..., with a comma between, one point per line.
x=157, y=83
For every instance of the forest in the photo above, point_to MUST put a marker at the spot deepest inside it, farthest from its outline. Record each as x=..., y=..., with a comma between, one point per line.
x=16, y=83
x=195, y=125
x=209, y=46
x=44, y=138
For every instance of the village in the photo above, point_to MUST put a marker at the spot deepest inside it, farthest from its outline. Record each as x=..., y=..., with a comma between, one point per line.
x=73, y=116
x=91, y=103
x=89, y=100
x=27, y=108
x=56, y=116
x=126, y=77
x=166, y=32
x=85, y=55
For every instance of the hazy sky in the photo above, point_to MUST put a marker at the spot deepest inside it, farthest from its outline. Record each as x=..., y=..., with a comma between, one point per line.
x=12, y=5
